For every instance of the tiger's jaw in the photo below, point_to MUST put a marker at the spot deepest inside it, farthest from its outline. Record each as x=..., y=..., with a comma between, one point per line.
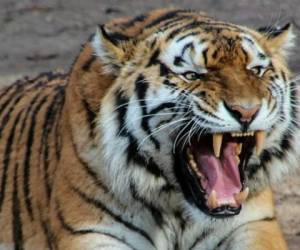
x=211, y=170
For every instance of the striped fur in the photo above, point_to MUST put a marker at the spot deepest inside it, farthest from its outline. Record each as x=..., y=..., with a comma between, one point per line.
x=87, y=158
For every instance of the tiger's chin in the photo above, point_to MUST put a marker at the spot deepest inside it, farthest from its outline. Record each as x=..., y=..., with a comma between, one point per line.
x=211, y=170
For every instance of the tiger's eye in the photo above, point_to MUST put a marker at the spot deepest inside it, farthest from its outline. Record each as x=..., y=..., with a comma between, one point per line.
x=191, y=76
x=258, y=70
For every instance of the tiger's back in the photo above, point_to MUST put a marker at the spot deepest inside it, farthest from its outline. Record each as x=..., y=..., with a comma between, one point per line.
x=30, y=144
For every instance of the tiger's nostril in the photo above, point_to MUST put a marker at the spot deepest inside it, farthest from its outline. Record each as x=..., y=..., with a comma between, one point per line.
x=243, y=114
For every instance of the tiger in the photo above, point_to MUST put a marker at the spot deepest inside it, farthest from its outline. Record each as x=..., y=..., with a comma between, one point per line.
x=166, y=133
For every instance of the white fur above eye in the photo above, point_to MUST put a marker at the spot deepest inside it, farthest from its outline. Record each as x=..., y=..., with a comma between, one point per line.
x=190, y=62
x=254, y=50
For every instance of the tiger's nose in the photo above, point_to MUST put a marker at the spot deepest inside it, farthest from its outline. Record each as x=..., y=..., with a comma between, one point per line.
x=243, y=113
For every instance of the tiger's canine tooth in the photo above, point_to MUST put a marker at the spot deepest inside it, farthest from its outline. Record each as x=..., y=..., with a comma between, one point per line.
x=238, y=149
x=212, y=201
x=259, y=141
x=217, y=143
x=193, y=164
x=237, y=159
x=242, y=196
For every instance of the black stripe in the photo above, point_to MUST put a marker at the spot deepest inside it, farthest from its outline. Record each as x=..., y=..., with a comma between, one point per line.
x=121, y=108
x=270, y=31
x=168, y=15
x=6, y=158
x=265, y=158
x=86, y=66
x=141, y=87
x=48, y=125
x=50, y=238
x=49, y=75
x=29, y=144
x=231, y=43
x=178, y=60
x=185, y=47
x=153, y=43
x=35, y=98
x=80, y=232
x=117, y=37
x=154, y=58
x=283, y=75
x=17, y=231
x=163, y=69
x=90, y=172
x=204, y=54
x=91, y=118
x=186, y=27
x=225, y=26
x=271, y=218
x=294, y=102
x=4, y=91
x=179, y=216
x=155, y=212
x=206, y=25
x=6, y=117
x=24, y=122
x=166, y=105
x=167, y=82
x=18, y=86
x=58, y=136
x=245, y=54
x=93, y=175
x=249, y=40
x=184, y=110
x=209, y=114
x=98, y=204
x=167, y=25
x=200, y=238
x=215, y=54
x=193, y=33
x=133, y=21
x=134, y=156
x=16, y=214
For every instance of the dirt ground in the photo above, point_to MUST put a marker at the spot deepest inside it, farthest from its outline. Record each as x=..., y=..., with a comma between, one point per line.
x=39, y=35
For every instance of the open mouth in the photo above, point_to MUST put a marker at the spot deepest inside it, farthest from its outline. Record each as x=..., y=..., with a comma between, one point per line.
x=211, y=170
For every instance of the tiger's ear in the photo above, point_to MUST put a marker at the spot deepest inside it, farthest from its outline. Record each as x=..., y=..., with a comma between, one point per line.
x=112, y=50
x=279, y=39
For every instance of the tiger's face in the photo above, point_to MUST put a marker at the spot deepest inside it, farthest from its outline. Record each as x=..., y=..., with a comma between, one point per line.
x=198, y=109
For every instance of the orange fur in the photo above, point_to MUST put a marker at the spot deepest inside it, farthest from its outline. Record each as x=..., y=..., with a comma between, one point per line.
x=45, y=156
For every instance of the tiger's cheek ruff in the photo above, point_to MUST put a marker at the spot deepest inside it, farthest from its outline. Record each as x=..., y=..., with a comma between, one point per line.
x=279, y=156
x=136, y=142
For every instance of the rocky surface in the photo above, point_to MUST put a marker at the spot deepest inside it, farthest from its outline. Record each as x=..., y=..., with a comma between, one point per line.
x=40, y=35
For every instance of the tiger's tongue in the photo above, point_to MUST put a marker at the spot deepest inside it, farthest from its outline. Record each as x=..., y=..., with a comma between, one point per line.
x=222, y=174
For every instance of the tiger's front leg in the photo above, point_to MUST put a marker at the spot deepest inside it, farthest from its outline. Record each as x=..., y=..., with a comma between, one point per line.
x=259, y=235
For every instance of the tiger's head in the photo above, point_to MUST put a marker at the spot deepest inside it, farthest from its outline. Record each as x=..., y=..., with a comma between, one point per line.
x=198, y=109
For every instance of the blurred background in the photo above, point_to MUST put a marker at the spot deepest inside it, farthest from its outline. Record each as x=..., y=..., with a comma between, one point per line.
x=41, y=35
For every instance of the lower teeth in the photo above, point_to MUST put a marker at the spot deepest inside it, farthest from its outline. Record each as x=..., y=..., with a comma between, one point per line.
x=237, y=159
x=193, y=163
x=242, y=196
x=239, y=148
